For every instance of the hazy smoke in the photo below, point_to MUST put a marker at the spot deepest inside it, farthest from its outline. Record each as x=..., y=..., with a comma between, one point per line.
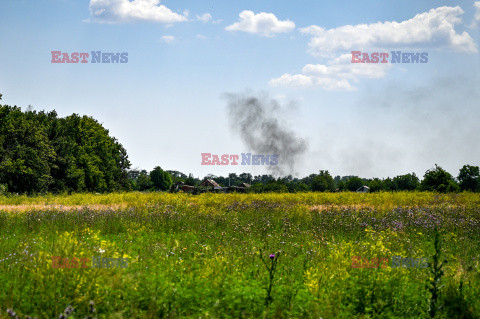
x=255, y=118
x=406, y=127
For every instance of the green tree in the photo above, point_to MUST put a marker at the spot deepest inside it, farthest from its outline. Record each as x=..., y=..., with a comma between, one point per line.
x=277, y=187
x=192, y=181
x=323, y=182
x=87, y=157
x=177, y=176
x=469, y=178
x=408, y=182
x=246, y=178
x=40, y=152
x=133, y=174
x=389, y=185
x=294, y=187
x=376, y=185
x=25, y=151
x=264, y=179
x=143, y=182
x=256, y=188
x=3, y=189
x=161, y=180
x=438, y=180
x=354, y=183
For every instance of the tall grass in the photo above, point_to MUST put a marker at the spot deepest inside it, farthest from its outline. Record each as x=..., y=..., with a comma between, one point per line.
x=198, y=256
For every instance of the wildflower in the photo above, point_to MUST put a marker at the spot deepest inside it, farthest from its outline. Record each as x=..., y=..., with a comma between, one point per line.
x=69, y=310
x=11, y=313
x=272, y=256
x=91, y=308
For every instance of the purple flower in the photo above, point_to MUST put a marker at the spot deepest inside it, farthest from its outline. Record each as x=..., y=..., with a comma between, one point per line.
x=11, y=313
x=272, y=256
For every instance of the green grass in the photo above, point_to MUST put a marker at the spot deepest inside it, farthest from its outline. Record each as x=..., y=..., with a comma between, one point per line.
x=198, y=256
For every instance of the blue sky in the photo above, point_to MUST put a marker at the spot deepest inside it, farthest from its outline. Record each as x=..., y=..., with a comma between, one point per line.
x=166, y=105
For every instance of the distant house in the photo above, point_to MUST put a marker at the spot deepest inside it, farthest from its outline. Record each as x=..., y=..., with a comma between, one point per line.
x=210, y=183
x=240, y=189
x=363, y=189
x=188, y=188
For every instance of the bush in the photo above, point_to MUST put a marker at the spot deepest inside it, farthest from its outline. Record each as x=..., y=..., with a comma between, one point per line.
x=469, y=178
x=323, y=182
x=439, y=180
x=354, y=183
x=161, y=180
x=3, y=189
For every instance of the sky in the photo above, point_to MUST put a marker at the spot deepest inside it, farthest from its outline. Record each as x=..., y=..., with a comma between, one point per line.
x=191, y=62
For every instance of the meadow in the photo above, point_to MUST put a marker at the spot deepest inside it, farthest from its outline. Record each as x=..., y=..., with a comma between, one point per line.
x=240, y=255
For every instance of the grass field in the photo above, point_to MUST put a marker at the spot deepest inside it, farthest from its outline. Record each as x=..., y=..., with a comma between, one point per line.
x=209, y=256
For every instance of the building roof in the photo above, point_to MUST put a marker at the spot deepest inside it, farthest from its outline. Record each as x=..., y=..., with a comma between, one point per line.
x=209, y=182
x=363, y=187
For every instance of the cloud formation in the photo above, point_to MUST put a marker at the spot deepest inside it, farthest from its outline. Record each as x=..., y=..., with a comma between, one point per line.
x=206, y=17
x=167, y=38
x=125, y=11
x=476, y=17
x=435, y=28
x=432, y=29
x=264, y=24
x=337, y=75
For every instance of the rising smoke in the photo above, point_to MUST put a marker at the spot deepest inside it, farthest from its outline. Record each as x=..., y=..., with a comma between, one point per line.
x=404, y=127
x=255, y=117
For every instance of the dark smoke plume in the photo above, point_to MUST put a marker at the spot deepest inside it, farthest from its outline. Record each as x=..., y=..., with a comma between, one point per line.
x=255, y=118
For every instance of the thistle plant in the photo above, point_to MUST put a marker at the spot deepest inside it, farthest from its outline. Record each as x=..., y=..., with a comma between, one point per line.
x=91, y=310
x=271, y=267
x=12, y=313
x=67, y=312
x=435, y=269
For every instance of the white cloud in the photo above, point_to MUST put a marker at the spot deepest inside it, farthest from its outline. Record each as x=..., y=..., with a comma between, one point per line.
x=434, y=28
x=476, y=17
x=206, y=17
x=265, y=24
x=336, y=76
x=201, y=36
x=122, y=11
x=168, y=38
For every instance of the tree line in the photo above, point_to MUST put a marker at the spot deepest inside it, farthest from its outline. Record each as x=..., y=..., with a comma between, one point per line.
x=435, y=179
x=41, y=152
